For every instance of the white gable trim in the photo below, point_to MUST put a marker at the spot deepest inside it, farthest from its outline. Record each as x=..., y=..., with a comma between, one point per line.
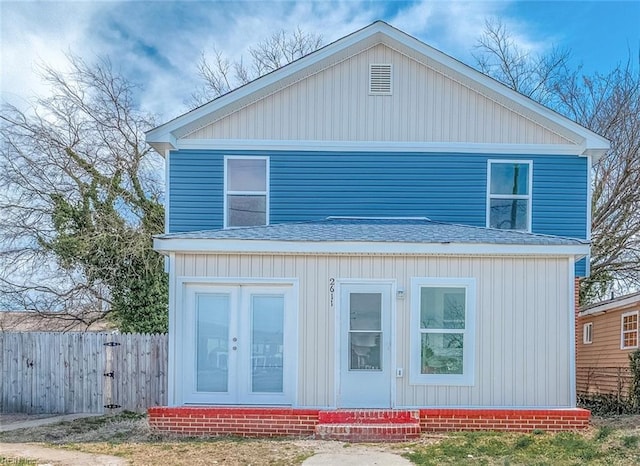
x=227, y=246
x=380, y=146
x=379, y=32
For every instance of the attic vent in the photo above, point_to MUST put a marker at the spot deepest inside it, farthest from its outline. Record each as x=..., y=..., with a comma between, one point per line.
x=379, y=79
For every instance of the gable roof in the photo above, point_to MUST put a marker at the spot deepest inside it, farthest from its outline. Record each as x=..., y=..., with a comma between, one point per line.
x=617, y=304
x=165, y=137
x=385, y=235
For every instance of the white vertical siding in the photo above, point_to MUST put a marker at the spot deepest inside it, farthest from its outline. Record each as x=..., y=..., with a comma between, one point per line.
x=334, y=104
x=522, y=335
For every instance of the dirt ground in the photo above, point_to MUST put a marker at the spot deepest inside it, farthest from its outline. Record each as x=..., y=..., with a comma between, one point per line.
x=128, y=436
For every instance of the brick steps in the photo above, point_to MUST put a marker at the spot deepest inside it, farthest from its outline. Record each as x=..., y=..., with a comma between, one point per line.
x=366, y=425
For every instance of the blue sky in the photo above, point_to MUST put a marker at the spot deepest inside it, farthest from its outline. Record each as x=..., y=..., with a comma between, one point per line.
x=158, y=43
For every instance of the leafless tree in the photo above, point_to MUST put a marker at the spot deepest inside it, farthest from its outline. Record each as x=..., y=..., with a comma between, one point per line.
x=609, y=105
x=221, y=75
x=534, y=75
x=79, y=201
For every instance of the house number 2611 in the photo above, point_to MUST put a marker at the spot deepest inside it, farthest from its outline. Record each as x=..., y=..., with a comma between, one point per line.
x=332, y=289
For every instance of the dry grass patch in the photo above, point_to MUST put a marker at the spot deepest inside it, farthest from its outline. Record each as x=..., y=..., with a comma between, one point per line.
x=204, y=452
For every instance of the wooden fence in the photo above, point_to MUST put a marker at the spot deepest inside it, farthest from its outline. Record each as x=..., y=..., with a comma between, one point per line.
x=81, y=372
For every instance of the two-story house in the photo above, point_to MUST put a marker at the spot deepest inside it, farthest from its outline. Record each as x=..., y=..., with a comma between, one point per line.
x=375, y=225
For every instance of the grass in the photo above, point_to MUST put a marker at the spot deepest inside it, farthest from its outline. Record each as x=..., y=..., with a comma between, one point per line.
x=603, y=446
x=613, y=441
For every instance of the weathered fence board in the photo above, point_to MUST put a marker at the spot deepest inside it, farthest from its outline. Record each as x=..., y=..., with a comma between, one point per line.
x=65, y=372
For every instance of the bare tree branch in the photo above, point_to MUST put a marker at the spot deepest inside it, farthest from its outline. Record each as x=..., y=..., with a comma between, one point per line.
x=221, y=75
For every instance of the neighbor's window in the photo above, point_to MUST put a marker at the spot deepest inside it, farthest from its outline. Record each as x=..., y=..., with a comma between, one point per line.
x=246, y=196
x=443, y=331
x=629, y=330
x=587, y=333
x=509, y=195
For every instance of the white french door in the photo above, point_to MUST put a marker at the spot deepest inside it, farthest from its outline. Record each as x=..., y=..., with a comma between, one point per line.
x=239, y=344
x=365, y=342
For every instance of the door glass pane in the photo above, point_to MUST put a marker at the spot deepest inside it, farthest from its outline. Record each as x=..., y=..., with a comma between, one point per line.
x=267, y=343
x=246, y=211
x=246, y=174
x=212, y=371
x=441, y=353
x=365, y=311
x=365, y=325
x=365, y=351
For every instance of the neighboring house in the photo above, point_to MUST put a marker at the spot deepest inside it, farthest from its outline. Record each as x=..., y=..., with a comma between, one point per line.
x=375, y=225
x=608, y=332
x=32, y=321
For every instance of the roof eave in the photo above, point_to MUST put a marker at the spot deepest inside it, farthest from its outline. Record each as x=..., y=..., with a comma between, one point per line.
x=201, y=245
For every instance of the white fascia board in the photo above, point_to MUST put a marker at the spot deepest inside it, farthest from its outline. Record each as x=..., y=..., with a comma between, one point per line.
x=193, y=245
x=380, y=146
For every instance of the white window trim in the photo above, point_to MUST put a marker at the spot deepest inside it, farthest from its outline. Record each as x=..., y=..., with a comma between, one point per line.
x=587, y=333
x=266, y=193
x=622, y=332
x=467, y=378
x=527, y=197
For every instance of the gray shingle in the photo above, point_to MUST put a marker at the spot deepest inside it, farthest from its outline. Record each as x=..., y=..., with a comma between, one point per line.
x=393, y=230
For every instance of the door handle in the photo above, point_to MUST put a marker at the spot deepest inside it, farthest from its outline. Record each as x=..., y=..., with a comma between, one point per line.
x=234, y=339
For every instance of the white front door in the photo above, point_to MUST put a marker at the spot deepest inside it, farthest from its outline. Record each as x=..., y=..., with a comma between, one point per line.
x=238, y=345
x=365, y=345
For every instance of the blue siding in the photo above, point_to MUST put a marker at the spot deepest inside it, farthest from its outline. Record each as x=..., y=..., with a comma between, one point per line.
x=315, y=185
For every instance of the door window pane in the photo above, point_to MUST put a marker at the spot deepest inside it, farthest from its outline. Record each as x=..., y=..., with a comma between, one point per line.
x=365, y=325
x=212, y=371
x=267, y=343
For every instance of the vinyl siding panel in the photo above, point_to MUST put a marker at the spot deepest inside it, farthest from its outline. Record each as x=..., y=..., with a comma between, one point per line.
x=314, y=185
x=523, y=317
x=427, y=104
x=604, y=351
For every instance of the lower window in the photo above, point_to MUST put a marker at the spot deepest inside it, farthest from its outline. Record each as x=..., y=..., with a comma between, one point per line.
x=443, y=331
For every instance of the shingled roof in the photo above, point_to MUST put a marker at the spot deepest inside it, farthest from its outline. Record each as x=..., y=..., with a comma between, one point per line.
x=407, y=233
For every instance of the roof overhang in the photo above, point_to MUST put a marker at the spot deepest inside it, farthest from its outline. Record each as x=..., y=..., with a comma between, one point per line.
x=246, y=246
x=621, y=303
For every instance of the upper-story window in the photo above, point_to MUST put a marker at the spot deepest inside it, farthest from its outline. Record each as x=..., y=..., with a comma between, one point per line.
x=509, y=194
x=246, y=198
x=629, y=330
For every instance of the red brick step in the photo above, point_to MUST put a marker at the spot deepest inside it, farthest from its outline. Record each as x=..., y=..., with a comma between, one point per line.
x=368, y=425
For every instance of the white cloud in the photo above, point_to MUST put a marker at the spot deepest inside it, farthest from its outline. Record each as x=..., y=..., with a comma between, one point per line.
x=158, y=44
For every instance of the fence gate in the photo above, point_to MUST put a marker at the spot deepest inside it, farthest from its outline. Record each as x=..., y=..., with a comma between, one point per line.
x=135, y=375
